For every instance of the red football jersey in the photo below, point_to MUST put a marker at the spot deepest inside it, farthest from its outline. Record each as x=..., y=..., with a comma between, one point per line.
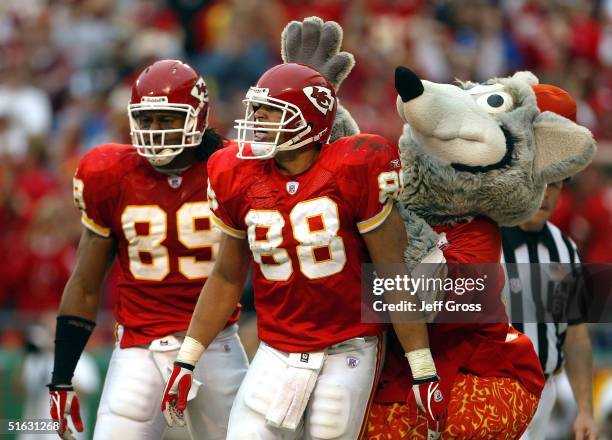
x=166, y=242
x=305, y=235
x=482, y=349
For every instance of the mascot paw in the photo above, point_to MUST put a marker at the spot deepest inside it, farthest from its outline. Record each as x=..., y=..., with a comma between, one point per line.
x=422, y=239
x=317, y=43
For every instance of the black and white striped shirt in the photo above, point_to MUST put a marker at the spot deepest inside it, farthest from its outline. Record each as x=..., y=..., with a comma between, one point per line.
x=524, y=290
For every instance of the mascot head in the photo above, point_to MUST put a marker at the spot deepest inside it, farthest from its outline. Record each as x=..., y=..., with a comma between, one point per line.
x=485, y=149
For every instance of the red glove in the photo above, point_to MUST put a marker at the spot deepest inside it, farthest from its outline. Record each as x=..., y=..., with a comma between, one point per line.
x=64, y=402
x=177, y=389
x=433, y=403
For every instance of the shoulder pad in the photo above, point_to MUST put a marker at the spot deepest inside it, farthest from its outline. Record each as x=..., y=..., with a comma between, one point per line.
x=109, y=159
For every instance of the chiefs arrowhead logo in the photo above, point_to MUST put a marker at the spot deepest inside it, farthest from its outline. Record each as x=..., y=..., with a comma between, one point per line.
x=320, y=97
x=200, y=92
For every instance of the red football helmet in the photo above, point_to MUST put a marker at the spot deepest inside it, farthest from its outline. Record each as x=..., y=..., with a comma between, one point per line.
x=168, y=85
x=308, y=104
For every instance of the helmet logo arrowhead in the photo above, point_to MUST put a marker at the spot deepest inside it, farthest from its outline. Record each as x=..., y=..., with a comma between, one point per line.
x=320, y=97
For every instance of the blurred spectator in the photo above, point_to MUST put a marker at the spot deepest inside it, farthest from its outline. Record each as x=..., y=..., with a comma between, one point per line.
x=25, y=110
x=243, y=47
x=36, y=374
x=42, y=256
x=593, y=225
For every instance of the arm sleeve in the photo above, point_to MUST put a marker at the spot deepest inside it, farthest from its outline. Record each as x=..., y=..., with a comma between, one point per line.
x=221, y=203
x=71, y=336
x=378, y=180
x=93, y=195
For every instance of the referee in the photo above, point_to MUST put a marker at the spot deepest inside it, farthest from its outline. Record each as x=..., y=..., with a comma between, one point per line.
x=559, y=345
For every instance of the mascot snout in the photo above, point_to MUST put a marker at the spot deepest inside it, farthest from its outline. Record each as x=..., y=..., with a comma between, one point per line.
x=448, y=123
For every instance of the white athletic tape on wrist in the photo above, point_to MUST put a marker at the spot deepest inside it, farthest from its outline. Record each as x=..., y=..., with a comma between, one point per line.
x=421, y=363
x=191, y=351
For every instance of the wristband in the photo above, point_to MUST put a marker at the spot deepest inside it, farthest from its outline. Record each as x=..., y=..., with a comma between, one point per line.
x=190, y=352
x=184, y=365
x=71, y=335
x=53, y=387
x=421, y=363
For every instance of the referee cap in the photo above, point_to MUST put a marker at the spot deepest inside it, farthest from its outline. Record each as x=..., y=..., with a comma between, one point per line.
x=555, y=99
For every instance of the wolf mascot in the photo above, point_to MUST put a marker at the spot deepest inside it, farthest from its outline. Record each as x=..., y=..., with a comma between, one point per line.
x=474, y=156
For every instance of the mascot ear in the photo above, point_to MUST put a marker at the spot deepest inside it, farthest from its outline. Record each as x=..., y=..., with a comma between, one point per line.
x=563, y=148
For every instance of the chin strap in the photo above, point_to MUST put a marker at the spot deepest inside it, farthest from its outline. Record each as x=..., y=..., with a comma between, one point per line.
x=289, y=145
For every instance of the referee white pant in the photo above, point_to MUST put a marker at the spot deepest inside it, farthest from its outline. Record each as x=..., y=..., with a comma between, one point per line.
x=538, y=425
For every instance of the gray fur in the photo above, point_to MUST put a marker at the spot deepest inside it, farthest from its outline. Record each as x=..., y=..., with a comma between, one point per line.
x=344, y=124
x=422, y=238
x=317, y=44
x=441, y=195
x=445, y=196
x=546, y=148
x=562, y=147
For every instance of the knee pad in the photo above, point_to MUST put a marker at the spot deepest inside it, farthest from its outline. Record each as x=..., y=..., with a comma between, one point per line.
x=330, y=411
x=135, y=390
x=261, y=391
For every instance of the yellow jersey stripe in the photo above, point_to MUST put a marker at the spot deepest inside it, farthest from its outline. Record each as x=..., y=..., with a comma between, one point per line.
x=236, y=233
x=94, y=227
x=374, y=222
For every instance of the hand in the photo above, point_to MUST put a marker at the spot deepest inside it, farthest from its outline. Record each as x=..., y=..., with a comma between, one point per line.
x=64, y=402
x=430, y=400
x=584, y=427
x=177, y=389
x=317, y=43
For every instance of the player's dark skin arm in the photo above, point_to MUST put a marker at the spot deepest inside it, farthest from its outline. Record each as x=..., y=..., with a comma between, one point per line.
x=222, y=290
x=81, y=295
x=386, y=246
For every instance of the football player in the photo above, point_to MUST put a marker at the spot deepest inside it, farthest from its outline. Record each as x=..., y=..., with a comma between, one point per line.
x=307, y=213
x=146, y=205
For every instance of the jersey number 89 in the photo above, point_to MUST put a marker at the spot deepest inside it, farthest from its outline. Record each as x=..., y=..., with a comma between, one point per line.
x=148, y=257
x=157, y=265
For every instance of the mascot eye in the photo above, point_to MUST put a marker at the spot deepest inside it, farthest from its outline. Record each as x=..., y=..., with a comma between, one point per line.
x=496, y=102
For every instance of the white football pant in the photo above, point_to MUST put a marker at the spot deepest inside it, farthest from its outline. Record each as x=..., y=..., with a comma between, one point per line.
x=338, y=405
x=130, y=406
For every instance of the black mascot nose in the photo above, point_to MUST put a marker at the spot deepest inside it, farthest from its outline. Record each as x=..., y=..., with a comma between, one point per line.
x=407, y=84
